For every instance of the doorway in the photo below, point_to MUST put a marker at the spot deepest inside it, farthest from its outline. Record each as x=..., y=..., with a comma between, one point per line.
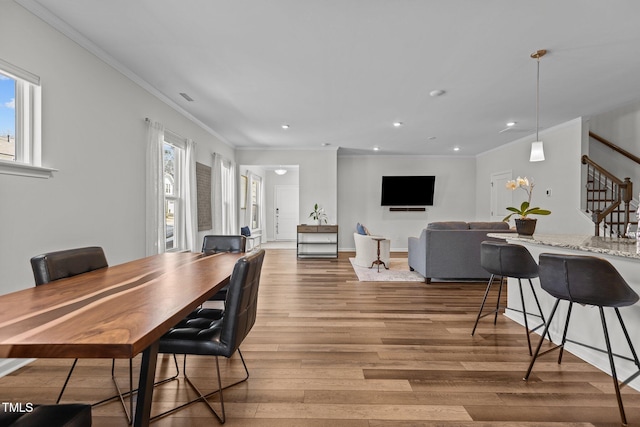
x=500, y=197
x=286, y=212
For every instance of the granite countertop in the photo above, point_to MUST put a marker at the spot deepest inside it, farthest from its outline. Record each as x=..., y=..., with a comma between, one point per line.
x=615, y=246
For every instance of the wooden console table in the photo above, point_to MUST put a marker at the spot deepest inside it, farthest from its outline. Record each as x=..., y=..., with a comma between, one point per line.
x=317, y=241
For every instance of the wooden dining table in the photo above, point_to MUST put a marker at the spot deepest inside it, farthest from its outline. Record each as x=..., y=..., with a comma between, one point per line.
x=115, y=312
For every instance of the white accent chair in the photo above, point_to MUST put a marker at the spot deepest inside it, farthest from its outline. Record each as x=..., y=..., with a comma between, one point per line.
x=367, y=250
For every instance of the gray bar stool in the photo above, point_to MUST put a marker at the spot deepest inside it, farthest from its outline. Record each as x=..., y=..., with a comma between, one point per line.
x=591, y=281
x=509, y=260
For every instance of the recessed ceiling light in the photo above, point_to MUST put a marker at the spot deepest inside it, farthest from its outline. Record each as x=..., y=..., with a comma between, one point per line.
x=510, y=124
x=376, y=148
x=456, y=148
x=325, y=144
x=397, y=124
x=437, y=92
x=431, y=138
x=285, y=126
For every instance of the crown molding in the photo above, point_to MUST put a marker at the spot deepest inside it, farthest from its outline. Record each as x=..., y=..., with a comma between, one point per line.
x=45, y=14
x=249, y=148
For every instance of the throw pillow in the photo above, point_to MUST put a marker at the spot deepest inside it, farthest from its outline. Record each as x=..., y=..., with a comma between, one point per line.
x=245, y=231
x=360, y=229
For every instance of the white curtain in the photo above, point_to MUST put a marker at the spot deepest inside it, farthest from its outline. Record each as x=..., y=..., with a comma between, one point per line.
x=263, y=209
x=155, y=232
x=224, y=199
x=232, y=195
x=247, y=211
x=188, y=222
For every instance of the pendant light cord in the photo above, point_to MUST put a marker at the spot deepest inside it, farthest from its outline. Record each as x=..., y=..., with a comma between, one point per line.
x=538, y=99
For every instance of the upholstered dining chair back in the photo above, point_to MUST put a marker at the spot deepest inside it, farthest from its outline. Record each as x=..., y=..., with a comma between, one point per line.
x=242, y=302
x=223, y=243
x=57, y=265
x=585, y=280
x=222, y=337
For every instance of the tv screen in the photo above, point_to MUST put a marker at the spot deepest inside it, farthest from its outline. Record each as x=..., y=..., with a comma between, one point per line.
x=407, y=190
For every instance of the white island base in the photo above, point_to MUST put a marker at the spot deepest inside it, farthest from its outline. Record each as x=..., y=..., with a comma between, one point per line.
x=585, y=326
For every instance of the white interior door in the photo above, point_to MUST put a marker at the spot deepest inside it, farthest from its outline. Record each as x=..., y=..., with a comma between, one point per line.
x=286, y=211
x=500, y=196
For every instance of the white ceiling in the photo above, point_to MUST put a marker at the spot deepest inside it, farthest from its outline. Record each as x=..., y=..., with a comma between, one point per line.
x=340, y=72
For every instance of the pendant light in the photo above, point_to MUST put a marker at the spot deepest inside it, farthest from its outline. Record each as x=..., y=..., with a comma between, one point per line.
x=280, y=171
x=537, y=150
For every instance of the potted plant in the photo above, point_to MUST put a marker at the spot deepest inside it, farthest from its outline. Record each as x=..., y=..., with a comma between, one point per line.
x=318, y=214
x=524, y=225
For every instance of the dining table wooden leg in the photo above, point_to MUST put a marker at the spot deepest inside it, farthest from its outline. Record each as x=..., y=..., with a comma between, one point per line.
x=145, y=385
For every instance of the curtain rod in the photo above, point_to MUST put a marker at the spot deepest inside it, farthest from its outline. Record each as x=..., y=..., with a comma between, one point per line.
x=148, y=120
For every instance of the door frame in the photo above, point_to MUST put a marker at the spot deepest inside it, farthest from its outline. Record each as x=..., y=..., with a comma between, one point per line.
x=495, y=178
x=275, y=209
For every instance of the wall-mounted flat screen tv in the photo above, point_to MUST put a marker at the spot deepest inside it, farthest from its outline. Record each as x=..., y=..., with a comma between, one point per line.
x=408, y=190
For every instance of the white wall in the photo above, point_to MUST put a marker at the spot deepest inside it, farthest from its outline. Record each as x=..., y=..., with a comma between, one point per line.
x=359, y=191
x=317, y=176
x=94, y=133
x=561, y=172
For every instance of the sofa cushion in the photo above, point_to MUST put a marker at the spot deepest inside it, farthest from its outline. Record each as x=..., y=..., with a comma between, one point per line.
x=448, y=225
x=494, y=225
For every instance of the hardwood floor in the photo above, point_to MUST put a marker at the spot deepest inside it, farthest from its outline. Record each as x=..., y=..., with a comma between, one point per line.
x=328, y=350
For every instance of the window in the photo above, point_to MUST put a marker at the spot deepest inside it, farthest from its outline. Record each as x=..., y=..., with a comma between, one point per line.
x=170, y=165
x=7, y=117
x=20, y=122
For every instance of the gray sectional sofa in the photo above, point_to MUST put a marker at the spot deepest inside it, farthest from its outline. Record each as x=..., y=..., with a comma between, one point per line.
x=451, y=250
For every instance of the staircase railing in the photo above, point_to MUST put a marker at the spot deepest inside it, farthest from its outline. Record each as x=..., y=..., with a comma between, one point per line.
x=608, y=199
x=614, y=147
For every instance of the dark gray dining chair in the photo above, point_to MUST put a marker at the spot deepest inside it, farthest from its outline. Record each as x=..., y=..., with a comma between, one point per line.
x=587, y=280
x=502, y=259
x=213, y=244
x=52, y=266
x=68, y=415
x=221, y=337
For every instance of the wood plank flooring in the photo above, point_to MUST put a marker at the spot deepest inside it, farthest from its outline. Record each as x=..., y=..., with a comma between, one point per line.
x=328, y=350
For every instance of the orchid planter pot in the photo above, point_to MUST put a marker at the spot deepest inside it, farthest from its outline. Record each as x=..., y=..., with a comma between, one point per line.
x=525, y=226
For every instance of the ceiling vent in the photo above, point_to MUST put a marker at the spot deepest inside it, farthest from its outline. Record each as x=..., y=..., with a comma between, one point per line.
x=185, y=96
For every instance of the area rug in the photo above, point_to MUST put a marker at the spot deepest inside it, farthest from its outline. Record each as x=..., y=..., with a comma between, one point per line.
x=398, y=272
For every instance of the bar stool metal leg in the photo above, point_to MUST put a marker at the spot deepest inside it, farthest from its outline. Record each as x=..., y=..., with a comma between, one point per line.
x=626, y=335
x=545, y=332
x=524, y=315
x=484, y=300
x=535, y=297
x=623, y=417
